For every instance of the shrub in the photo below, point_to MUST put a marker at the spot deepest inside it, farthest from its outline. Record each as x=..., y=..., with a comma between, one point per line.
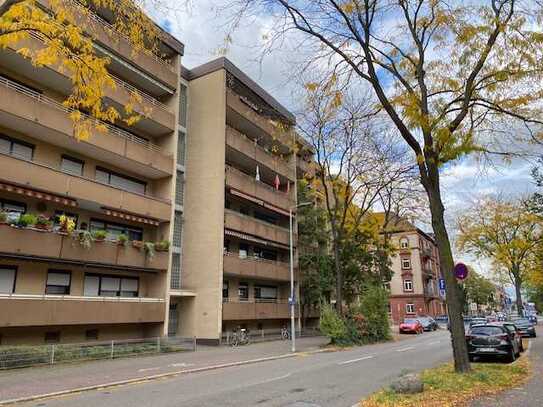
x=332, y=325
x=371, y=316
x=99, y=234
x=27, y=220
x=162, y=246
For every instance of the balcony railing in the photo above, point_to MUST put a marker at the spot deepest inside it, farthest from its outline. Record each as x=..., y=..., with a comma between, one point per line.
x=255, y=267
x=147, y=98
x=49, y=297
x=233, y=309
x=5, y=82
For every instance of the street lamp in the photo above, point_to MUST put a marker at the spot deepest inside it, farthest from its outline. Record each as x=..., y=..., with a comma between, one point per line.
x=291, y=299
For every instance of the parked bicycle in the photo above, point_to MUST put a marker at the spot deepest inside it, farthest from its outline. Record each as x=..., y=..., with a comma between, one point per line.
x=240, y=337
x=285, y=334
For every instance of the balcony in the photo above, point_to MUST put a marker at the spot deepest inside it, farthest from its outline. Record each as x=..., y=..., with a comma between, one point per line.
x=31, y=113
x=267, y=194
x=255, y=268
x=44, y=178
x=249, y=225
x=44, y=310
x=253, y=122
x=246, y=310
x=430, y=291
x=427, y=252
x=304, y=169
x=104, y=33
x=55, y=246
x=240, y=142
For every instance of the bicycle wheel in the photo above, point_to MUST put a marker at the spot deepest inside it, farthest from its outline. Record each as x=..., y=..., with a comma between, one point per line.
x=235, y=341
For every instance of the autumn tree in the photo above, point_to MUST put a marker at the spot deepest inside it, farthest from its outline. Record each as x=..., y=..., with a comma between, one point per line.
x=66, y=35
x=454, y=77
x=478, y=290
x=507, y=233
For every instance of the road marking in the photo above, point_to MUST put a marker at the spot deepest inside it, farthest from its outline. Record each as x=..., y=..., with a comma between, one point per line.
x=434, y=343
x=181, y=365
x=356, y=360
x=405, y=349
x=273, y=379
x=148, y=369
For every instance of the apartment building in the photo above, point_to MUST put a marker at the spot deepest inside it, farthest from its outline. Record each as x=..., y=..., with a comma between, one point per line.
x=240, y=186
x=91, y=284
x=414, y=287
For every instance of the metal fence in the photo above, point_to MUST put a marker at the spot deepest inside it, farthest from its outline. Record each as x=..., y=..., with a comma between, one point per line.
x=264, y=335
x=12, y=357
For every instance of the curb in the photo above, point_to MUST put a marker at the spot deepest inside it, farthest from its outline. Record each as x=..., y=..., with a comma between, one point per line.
x=157, y=376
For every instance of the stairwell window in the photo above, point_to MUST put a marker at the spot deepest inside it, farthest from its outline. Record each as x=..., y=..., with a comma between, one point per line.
x=406, y=264
x=407, y=285
x=409, y=308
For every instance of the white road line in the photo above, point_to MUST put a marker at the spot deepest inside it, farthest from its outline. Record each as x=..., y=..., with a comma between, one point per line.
x=148, y=369
x=356, y=360
x=181, y=365
x=434, y=343
x=405, y=349
x=273, y=379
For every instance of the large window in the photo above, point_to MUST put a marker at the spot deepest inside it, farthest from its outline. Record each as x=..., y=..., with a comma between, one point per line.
x=58, y=282
x=243, y=291
x=8, y=276
x=410, y=308
x=71, y=165
x=266, y=293
x=110, y=286
x=120, y=181
x=115, y=229
x=16, y=148
x=407, y=285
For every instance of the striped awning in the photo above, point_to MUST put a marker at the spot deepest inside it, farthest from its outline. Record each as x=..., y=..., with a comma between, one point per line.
x=254, y=239
x=37, y=194
x=259, y=202
x=131, y=217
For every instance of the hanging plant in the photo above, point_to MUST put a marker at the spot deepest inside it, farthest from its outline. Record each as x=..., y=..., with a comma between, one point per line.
x=149, y=248
x=85, y=239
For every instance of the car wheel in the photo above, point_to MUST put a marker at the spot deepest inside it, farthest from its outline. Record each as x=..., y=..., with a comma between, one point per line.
x=511, y=357
x=521, y=347
x=471, y=358
x=534, y=335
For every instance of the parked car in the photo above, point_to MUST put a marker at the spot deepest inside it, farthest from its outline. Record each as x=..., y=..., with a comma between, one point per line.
x=527, y=329
x=442, y=319
x=533, y=319
x=513, y=329
x=492, y=340
x=477, y=321
x=428, y=323
x=411, y=325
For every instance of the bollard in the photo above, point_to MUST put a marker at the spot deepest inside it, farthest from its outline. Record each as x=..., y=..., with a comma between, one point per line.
x=112, y=349
x=158, y=344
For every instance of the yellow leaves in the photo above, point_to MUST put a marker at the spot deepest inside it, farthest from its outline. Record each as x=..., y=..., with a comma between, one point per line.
x=311, y=86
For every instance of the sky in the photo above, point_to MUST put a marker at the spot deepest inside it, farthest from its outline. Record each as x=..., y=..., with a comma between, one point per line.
x=202, y=29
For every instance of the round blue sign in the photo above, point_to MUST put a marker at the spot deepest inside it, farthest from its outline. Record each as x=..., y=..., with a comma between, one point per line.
x=460, y=271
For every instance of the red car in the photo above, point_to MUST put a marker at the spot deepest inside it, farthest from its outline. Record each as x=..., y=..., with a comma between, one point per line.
x=411, y=325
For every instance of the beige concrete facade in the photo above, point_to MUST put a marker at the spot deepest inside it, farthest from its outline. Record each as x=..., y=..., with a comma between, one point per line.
x=121, y=180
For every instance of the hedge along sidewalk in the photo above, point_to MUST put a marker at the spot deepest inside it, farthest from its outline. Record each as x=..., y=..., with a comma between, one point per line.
x=41, y=380
x=444, y=387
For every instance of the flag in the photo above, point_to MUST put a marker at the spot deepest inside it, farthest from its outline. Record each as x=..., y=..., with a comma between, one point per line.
x=277, y=183
x=257, y=177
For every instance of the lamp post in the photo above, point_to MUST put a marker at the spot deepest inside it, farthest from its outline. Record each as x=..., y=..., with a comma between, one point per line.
x=291, y=299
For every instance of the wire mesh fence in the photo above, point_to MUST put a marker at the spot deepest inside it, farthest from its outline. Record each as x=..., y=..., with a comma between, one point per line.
x=12, y=357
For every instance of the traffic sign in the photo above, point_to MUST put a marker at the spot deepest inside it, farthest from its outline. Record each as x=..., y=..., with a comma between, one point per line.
x=460, y=271
x=442, y=284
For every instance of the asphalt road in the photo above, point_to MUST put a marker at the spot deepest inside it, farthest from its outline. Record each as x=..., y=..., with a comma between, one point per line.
x=323, y=379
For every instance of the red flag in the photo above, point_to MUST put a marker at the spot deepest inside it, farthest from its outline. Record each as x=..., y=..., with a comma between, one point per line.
x=277, y=183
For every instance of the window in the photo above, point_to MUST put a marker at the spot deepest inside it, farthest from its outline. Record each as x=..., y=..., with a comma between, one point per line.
x=407, y=285
x=404, y=243
x=177, y=229
x=226, y=246
x=110, y=286
x=410, y=308
x=8, y=277
x=406, y=264
x=175, y=278
x=91, y=334
x=265, y=254
x=13, y=209
x=225, y=289
x=266, y=293
x=243, y=291
x=183, y=105
x=52, y=337
x=243, y=250
x=181, y=148
x=16, y=148
x=266, y=218
x=71, y=165
x=179, y=188
x=58, y=282
x=120, y=181
x=115, y=229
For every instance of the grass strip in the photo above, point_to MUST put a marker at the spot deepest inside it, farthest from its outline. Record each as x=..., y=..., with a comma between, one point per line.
x=443, y=387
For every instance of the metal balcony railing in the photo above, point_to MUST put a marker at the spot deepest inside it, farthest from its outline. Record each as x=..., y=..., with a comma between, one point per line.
x=252, y=179
x=257, y=259
x=49, y=297
x=262, y=222
x=5, y=82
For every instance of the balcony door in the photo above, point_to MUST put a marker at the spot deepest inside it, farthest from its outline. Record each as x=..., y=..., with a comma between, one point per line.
x=173, y=319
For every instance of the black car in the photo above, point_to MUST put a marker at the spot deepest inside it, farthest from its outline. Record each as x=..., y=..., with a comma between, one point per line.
x=492, y=340
x=533, y=319
x=477, y=321
x=428, y=323
x=514, y=330
x=525, y=327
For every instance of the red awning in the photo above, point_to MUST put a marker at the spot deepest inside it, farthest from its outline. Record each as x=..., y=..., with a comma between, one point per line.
x=131, y=217
x=38, y=194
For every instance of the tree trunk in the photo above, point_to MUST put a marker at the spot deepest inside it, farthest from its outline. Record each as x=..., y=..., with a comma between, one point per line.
x=339, y=279
x=518, y=287
x=454, y=294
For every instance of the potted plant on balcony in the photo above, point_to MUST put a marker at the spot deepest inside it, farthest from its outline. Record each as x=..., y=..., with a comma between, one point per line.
x=3, y=218
x=27, y=220
x=122, y=239
x=138, y=244
x=99, y=235
x=66, y=225
x=43, y=223
x=85, y=239
x=149, y=248
x=162, y=246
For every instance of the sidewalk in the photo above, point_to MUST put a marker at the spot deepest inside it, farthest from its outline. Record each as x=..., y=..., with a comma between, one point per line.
x=529, y=395
x=42, y=380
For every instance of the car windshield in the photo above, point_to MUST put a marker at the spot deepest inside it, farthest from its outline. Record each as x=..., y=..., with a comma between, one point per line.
x=410, y=321
x=487, y=330
x=523, y=321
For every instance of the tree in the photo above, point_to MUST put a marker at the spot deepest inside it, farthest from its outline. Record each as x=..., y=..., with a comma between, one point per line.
x=454, y=77
x=357, y=165
x=478, y=290
x=68, y=44
x=506, y=232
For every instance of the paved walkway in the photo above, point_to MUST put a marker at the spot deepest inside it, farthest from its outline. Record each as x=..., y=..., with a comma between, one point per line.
x=529, y=395
x=47, y=379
